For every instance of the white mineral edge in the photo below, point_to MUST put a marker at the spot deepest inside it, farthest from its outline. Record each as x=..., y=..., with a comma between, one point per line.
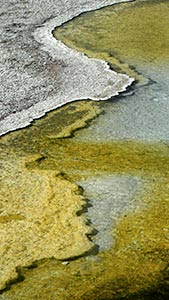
x=84, y=78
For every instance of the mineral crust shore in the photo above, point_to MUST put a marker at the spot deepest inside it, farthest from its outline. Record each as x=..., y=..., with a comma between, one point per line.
x=39, y=73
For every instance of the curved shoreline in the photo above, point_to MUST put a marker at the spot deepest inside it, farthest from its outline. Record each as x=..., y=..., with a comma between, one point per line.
x=79, y=77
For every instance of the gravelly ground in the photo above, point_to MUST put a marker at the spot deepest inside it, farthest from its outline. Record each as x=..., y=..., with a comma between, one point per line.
x=37, y=73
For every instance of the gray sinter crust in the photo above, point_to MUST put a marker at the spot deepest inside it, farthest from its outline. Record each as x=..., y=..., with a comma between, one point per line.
x=39, y=73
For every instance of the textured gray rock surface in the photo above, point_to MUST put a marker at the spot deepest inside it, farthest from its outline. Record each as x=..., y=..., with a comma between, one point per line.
x=38, y=73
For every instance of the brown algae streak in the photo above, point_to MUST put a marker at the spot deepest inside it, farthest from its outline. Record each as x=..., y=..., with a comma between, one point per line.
x=123, y=35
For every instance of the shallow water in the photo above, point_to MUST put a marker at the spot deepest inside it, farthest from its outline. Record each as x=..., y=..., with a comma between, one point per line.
x=121, y=160
x=110, y=197
x=134, y=38
x=137, y=34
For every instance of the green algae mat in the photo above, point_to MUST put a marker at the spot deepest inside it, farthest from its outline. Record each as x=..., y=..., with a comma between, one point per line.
x=35, y=164
x=124, y=35
x=136, y=267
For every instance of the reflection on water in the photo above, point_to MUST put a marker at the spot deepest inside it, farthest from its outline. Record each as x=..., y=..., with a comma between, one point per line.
x=127, y=145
